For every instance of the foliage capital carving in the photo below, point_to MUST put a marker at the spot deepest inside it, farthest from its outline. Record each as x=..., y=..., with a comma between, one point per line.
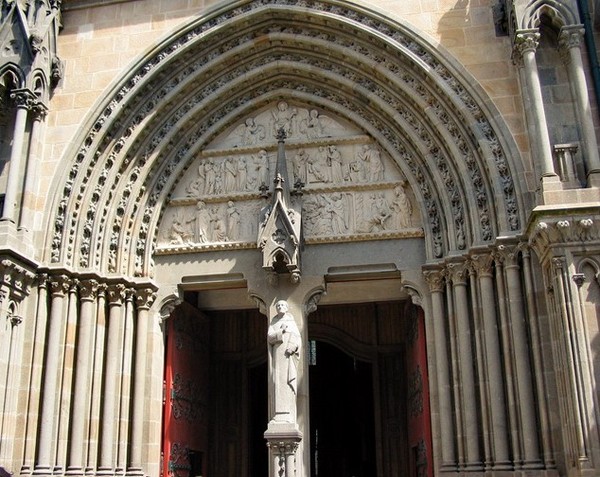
x=144, y=298
x=435, y=279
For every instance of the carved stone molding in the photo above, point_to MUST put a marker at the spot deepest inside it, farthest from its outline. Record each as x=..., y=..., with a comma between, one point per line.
x=168, y=306
x=133, y=241
x=573, y=231
x=312, y=300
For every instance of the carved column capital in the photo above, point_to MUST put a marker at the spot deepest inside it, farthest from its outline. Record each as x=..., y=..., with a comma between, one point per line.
x=435, y=280
x=458, y=272
x=88, y=290
x=482, y=264
x=526, y=41
x=507, y=255
x=570, y=36
x=144, y=298
x=39, y=111
x=116, y=294
x=60, y=285
x=23, y=98
x=579, y=279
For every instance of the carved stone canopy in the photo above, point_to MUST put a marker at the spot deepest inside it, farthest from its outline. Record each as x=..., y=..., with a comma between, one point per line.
x=280, y=232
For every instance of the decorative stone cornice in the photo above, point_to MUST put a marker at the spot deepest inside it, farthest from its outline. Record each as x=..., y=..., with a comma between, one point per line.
x=564, y=230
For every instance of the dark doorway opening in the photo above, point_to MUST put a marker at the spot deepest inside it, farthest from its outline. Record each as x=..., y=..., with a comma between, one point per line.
x=258, y=456
x=341, y=414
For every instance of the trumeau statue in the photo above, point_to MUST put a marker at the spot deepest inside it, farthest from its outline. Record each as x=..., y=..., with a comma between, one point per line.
x=351, y=188
x=284, y=341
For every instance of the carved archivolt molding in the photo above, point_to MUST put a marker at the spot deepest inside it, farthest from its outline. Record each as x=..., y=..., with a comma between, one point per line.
x=398, y=91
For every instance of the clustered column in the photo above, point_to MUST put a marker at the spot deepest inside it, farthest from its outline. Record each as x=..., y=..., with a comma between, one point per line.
x=574, y=376
x=96, y=428
x=484, y=371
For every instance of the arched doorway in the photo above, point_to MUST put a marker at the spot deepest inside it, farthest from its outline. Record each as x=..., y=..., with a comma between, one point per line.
x=441, y=142
x=369, y=406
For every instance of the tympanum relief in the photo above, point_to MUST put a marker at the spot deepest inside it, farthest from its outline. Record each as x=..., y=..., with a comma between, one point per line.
x=348, y=187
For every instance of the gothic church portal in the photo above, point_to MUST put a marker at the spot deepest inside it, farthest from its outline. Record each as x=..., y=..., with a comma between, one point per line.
x=299, y=238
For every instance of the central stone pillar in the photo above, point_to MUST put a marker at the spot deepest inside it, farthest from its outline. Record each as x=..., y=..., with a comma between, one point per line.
x=285, y=352
x=287, y=306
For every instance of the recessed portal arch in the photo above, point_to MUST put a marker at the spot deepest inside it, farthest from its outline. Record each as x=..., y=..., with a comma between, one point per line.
x=419, y=106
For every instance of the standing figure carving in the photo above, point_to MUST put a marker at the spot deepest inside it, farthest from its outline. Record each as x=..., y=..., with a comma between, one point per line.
x=336, y=164
x=233, y=221
x=284, y=347
x=202, y=219
x=402, y=206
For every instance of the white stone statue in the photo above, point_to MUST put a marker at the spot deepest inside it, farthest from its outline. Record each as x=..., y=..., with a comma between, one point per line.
x=284, y=347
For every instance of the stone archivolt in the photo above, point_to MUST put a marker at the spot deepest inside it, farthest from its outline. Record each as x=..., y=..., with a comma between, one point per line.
x=414, y=105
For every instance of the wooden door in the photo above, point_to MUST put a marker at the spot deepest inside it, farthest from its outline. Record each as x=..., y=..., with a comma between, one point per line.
x=185, y=424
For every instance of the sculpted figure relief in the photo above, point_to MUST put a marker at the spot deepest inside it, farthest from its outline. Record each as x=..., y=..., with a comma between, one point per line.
x=284, y=341
x=233, y=221
x=284, y=117
x=402, y=206
x=342, y=181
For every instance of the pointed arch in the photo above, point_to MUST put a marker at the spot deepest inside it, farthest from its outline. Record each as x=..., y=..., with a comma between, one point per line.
x=421, y=107
x=560, y=12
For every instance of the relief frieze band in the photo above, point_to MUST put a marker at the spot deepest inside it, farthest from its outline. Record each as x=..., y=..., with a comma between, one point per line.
x=347, y=187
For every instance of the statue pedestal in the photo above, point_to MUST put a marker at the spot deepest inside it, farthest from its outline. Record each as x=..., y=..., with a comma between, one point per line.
x=282, y=440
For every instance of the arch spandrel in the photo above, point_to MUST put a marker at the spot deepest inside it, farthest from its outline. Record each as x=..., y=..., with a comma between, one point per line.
x=351, y=189
x=456, y=156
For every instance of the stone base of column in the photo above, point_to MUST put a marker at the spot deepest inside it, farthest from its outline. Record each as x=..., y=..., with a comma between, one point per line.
x=75, y=471
x=283, y=439
x=105, y=471
x=42, y=470
x=135, y=472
